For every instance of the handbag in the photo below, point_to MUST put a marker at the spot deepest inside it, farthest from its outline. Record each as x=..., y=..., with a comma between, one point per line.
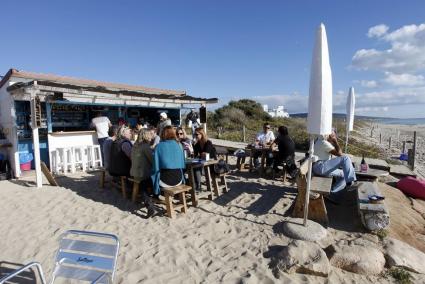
x=221, y=167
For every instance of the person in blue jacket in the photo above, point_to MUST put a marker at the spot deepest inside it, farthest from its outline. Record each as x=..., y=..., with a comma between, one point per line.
x=168, y=161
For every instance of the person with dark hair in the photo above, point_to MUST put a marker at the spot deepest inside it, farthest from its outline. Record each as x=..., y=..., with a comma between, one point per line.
x=192, y=120
x=202, y=147
x=286, y=153
x=141, y=167
x=263, y=140
x=168, y=162
x=112, y=133
x=121, y=153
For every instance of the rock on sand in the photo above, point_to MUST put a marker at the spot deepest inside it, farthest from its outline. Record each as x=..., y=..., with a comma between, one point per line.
x=401, y=254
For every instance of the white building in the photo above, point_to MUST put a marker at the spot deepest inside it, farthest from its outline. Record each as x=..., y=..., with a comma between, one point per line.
x=276, y=112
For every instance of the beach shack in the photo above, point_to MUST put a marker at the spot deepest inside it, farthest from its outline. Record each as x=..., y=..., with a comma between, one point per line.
x=59, y=110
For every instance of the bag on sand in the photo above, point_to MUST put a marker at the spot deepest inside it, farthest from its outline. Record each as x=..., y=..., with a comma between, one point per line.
x=221, y=167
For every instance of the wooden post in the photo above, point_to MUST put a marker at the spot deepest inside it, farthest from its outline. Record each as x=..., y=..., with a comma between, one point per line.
x=380, y=138
x=371, y=132
x=404, y=147
x=389, y=143
x=35, y=138
x=414, y=150
x=243, y=133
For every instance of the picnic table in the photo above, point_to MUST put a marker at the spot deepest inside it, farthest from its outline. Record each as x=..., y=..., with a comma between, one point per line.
x=265, y=150
x=371, y=174
x=211, y=180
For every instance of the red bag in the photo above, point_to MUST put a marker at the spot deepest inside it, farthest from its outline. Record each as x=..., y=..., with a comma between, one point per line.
x=413, y=187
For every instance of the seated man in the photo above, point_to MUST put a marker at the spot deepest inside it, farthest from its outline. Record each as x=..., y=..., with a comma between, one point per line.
x=263, y=139
x=339, y=167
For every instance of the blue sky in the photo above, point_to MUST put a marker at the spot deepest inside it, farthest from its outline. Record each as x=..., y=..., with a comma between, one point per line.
x=228, y=49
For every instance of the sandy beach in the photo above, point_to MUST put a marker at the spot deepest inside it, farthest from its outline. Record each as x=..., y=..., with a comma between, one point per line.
x=398, y=134
x=232, y=239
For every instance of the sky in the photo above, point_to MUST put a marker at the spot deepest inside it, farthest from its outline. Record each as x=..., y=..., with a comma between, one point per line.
x=228, y=49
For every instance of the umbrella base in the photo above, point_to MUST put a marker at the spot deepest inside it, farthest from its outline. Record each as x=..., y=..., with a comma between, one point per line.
x=312, y=231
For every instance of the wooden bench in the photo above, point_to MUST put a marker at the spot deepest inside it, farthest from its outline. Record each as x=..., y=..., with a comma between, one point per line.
x=169, y=193
x=374, y=215
x=121, y=185
x=319, y=187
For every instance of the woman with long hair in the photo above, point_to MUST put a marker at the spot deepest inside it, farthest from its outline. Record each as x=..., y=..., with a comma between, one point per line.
x=202, y=147
x=168, y=162
x=184, y=141
x=141, y=167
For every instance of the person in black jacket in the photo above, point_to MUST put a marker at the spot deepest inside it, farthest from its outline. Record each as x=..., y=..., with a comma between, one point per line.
x=202, y=147
x=286, y=152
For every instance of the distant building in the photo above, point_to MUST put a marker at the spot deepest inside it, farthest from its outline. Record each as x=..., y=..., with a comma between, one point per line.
x=276, y=112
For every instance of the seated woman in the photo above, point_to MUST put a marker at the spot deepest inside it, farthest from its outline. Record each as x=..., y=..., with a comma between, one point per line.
x=184, y=141
x=120, y=155
x=202, y=147
x=286, y=152
x=141, y=166
x=168, y=162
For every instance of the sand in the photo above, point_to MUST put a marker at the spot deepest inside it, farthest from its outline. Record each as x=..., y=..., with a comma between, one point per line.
x=398, y=134
x=228, y=240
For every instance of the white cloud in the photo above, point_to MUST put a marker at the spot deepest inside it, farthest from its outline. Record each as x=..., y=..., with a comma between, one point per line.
x=368, y=84
x=404, y=79
x=406, y=53
x=377, y=31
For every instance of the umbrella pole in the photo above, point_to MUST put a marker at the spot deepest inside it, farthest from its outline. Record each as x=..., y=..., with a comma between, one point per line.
x=346, y=142
x=307, y=194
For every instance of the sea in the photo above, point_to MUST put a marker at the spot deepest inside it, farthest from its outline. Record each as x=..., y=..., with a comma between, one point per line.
x=403, y=121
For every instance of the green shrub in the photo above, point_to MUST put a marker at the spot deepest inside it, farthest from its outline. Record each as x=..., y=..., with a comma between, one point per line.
x=401, y=275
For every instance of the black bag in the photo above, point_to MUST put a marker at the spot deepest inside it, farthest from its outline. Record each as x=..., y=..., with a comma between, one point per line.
x=221, y=167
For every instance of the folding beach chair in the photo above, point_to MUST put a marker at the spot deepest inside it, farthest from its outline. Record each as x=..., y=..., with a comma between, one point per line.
x=82, y=255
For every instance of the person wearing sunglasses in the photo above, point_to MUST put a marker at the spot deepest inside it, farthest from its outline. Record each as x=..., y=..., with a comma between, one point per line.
x=263, y=139
x=202, y=147
x=185, y=141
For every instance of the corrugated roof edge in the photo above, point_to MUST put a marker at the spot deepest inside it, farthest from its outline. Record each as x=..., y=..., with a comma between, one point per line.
x=89, y=83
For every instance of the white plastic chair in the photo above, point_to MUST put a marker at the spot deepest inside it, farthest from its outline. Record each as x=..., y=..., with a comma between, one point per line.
x=82, y=255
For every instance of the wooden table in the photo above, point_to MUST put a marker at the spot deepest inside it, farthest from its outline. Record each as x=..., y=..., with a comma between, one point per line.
x=212, y=183
x=264, y=152
x=371, y=174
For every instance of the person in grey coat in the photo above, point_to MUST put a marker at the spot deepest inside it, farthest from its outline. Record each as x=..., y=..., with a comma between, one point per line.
x=141, y=167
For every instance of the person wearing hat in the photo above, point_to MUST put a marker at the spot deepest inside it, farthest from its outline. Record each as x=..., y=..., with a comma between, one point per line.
x=163, y=122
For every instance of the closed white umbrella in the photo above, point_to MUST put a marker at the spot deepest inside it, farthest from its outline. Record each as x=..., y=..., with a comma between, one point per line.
x=319, y=120
x=351, y=102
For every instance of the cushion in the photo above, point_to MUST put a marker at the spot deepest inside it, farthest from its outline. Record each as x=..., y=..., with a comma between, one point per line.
x=412, y=186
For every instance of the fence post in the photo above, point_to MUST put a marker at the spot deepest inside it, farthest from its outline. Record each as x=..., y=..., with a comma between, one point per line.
x=371, y=132
x=404, y=147
x=243, y=133
x=414, y=150
x=389, y=144
x=380, y=138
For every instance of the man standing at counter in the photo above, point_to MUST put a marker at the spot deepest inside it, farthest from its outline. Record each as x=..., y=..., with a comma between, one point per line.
x=102, y=124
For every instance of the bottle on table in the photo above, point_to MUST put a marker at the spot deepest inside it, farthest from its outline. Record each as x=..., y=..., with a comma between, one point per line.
x=363, y=165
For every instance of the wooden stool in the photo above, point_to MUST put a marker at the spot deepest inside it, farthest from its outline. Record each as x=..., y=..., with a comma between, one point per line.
x=136, y=185
x=169, y=193
x=223, y=182
x=122, y=185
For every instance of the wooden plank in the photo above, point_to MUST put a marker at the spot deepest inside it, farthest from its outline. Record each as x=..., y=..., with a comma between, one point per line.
x=401, y=170
x=363, y=192
x=321, y=185
x=48, y=174
x=304, y=168
x=373, y=163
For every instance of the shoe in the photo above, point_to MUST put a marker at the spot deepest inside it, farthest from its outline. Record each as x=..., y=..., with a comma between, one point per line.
x=353, y=186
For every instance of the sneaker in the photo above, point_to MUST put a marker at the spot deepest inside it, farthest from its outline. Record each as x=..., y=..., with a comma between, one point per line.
x=353, y=186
